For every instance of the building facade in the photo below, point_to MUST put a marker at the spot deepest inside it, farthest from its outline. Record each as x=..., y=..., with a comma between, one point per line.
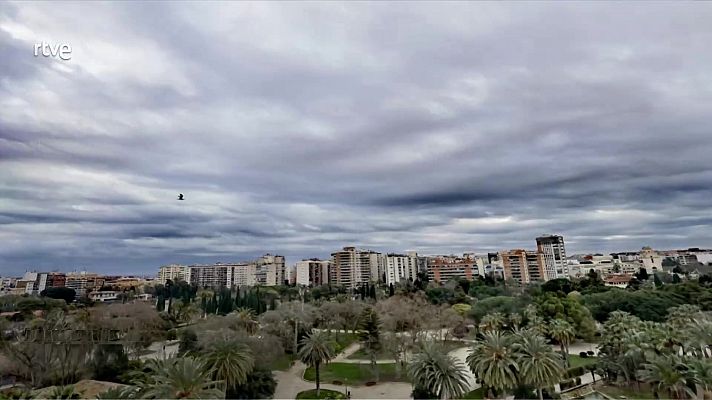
x=312, y=272
x=553, y=253
x=174, y=272
x=83, y=282
x=401, y=267
x=443, y=268
x=270, y=270
x=353, y=267
x=651, y=260
x=522, y=266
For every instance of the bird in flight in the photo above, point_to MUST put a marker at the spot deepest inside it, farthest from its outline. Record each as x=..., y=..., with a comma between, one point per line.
x=180, y=196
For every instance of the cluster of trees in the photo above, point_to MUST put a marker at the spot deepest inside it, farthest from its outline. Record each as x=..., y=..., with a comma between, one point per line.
x=68, y=345
x=27, y=304
x=233, y=338
x=63, y=293
x=226, y=369
x=672, y=356
x=226, y=301
x=646, y=303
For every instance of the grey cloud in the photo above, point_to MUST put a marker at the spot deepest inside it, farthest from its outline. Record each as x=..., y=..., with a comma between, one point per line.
x=299, y=128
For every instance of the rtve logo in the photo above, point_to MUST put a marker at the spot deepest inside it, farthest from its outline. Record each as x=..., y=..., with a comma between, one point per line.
x=62, y=51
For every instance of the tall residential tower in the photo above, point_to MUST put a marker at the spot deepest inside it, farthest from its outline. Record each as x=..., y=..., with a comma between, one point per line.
x=553, y=253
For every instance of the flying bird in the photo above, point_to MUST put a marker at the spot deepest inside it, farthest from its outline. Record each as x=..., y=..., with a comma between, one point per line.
x=180, y=196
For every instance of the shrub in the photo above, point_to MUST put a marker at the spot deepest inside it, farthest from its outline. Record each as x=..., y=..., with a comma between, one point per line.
x=420, y=393
x=566, y=384
x=574, y=372
x=590, y=352
x=260, y=385
x=583, y=354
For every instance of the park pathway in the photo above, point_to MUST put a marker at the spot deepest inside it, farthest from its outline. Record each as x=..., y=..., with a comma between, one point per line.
x=161, y=350
x=290, y=382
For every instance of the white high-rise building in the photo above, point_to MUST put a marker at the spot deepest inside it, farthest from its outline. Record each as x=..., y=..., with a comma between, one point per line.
x=312, y=272
x=222, y=275
x=174, y=272
x=400, y=267
x=241, y=274
x=553, y=252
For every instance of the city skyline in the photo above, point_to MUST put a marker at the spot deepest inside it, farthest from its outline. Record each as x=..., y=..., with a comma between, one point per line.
x=300, y=130
x=292, y=262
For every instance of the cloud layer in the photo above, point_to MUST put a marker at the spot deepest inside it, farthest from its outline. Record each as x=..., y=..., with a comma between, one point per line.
x=300, y=128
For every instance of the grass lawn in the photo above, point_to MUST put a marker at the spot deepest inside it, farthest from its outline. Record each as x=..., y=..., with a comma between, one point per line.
x=343, y=340
x=354, y=374
x=630, y=392
x=323, y=394
x=578, y=361
x=475, y=394
x=449, y=345
x=361, y=354
x=282, y=363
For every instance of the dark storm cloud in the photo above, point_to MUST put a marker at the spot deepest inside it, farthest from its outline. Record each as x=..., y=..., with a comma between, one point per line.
x=299, y=128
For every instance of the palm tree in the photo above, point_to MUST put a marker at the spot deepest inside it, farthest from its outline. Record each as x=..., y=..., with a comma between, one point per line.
x=681, y=316
x=534, y=320
x=183, y=378
x=564, y=333
x=698, y=337
x=63, y=392
x=118, y=393
x=493, y=362
x=231, y=361
x=432, y=368
x=492, y=322
x=515, y=321
x=700, y=373
x=246, y=320
x=539, y=365
x=666, y=373
x=317, y=348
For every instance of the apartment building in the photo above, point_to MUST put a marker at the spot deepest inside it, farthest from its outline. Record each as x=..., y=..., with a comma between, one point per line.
x=241, y=274
x=553, y=252
x=36, y=282
x=84, y=281
x=174, y=272
x=444, y=268
x=651, y=260
x=209, y=275
x=312, y=272
x=270, y=270
x=522, y=266
x=7, y=285
x=353, y=267
x=401, y=267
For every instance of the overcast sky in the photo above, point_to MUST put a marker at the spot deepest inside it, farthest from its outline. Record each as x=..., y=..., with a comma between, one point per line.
x=299, y=128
